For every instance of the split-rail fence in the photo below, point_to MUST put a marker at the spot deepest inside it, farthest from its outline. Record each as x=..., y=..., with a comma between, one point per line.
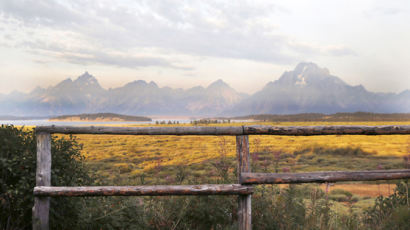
x=44, y=190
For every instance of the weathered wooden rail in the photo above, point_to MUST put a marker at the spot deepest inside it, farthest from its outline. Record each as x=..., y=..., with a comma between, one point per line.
x=43, y=190
x=233, y=130
x=322, y=177
x=153, y=190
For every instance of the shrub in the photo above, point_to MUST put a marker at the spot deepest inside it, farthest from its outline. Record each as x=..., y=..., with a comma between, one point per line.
x=392, y=212
x=17, y=178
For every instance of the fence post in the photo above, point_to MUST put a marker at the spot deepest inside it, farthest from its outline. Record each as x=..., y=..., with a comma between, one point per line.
x=244, y=201
x=43, y=178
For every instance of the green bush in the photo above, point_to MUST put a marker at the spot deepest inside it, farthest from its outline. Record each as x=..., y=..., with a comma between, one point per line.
x=392, y=212
x=17, y=178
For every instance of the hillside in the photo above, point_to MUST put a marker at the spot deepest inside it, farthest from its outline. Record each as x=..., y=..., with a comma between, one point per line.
x=99, y=117
x=358, y=116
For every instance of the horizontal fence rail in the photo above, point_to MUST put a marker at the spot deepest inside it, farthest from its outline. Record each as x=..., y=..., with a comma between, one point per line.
x=233, y=130
x=323, y=177
x=326, y=130
x=154, y=190
x=197, y=130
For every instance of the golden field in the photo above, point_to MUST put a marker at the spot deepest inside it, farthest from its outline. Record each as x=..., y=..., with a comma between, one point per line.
x=141, y=153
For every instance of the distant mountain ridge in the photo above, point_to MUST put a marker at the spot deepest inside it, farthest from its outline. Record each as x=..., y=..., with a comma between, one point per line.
x=85, y=95
x=306, y=89
x=310, y=89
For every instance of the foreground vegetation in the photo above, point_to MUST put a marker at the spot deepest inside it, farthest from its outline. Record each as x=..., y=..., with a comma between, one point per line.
x=17, y=178
x=133, y=160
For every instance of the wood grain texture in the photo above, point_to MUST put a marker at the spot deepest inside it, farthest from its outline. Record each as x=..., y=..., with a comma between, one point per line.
x=322, y=177
x=43, y=178
x=244, y=165
x=242, y=154
x=154, y=190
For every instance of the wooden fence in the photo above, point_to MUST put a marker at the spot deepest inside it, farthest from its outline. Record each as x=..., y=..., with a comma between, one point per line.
x=43, y=190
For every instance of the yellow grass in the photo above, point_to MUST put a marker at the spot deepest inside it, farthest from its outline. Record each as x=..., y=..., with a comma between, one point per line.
x=364, y=190
x=140, y=153
x=359, y=189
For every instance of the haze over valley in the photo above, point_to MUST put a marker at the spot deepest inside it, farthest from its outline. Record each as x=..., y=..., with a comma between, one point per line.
x=307, y=88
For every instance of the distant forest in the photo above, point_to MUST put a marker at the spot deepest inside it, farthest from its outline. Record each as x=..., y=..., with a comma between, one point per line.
x=102, y=116
x=358, y=116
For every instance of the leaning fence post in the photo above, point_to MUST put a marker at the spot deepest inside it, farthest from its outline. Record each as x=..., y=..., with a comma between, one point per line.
x=244, y=201
x=43, y=178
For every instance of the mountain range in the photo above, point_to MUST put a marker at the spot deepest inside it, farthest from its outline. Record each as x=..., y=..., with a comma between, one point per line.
x=306, y=89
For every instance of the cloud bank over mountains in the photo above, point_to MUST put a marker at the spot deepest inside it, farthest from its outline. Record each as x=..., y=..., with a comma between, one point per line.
x=306, y=89
x=195, y=42
x=133, y=34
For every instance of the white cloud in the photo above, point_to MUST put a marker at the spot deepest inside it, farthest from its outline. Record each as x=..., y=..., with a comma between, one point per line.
x=165, y=38
x=238, y=30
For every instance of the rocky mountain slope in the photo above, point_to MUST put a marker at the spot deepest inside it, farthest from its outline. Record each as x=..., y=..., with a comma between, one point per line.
x=311, y=89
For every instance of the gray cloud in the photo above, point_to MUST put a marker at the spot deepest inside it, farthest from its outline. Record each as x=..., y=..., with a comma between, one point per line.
x=239, y=30
x=42, y=12
x=116, y=60
x=91, y=56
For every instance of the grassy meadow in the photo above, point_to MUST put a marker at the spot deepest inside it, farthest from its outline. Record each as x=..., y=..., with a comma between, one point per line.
x=128, y=156
x=125, y=157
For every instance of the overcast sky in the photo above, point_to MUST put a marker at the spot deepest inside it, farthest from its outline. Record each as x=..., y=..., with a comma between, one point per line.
x=186, y=43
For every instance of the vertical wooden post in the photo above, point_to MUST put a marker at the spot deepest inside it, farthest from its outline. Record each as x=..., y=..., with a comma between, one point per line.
x=43, y=178
x=244, y=201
